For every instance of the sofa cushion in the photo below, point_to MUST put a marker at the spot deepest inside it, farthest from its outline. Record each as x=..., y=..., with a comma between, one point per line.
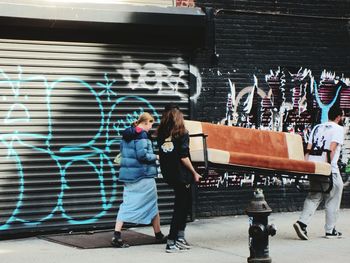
x=238, y=146
x=243, y=140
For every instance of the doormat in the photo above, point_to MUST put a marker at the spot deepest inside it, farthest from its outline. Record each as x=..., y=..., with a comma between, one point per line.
x=100, y=239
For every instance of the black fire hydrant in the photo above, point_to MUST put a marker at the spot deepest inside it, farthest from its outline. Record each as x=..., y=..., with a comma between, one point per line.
x=259, y=231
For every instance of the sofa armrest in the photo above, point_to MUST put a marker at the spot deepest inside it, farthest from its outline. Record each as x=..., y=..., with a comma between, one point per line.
x=205, y=150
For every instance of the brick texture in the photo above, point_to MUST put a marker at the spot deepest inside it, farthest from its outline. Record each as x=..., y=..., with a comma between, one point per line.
x=251, y=39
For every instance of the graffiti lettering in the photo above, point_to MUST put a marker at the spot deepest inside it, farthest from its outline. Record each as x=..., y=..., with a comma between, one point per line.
x=66, y=158
x=157, y=76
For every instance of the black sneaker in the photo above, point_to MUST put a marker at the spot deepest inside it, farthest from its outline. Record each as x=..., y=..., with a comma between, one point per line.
x=300, y=228
x=334, y=234
x=161, y=239
x=172, y=248
x=119, y=243
x=182, y=243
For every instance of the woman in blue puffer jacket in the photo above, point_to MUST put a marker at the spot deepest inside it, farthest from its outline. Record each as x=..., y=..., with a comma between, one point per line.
x=137, y=172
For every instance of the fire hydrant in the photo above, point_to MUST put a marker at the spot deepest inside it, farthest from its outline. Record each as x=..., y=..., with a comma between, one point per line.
x=259, y=230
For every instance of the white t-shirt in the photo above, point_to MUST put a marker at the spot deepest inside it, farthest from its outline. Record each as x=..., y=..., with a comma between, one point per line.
x=321, y=137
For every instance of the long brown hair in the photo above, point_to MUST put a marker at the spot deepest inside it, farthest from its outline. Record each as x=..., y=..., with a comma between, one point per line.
x=172, y=124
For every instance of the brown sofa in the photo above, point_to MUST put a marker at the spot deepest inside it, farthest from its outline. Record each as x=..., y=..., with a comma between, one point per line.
x=266, y=150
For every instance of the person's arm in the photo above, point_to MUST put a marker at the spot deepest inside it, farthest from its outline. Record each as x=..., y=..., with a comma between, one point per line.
x=333, y=148
x=337, y=139
x=185, y=154
x=187, y=162
x=142, y=153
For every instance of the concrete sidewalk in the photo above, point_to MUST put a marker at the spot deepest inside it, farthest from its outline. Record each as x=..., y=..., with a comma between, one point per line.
x=216, y=240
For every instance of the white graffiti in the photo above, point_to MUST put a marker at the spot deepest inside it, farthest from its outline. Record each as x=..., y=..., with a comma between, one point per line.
x=246, y=179
x=195, y=72
x=332, y=77
x=231, y=117
x=156, y=76
x=249, y=101
x=223, y=180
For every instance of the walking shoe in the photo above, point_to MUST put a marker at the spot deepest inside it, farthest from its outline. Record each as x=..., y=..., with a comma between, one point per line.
x=161, y=239
x=172, y=248
x=334, y=234
x=182, y=243
x=300, y=228
x=119, y=243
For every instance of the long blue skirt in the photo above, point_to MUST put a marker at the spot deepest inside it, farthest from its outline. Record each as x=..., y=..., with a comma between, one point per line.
x=139, y=202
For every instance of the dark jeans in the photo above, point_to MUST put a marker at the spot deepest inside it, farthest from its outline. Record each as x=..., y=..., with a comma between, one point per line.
x=182, y=206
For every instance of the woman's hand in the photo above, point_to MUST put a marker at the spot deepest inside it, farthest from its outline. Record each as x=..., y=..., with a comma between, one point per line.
x=197, y=177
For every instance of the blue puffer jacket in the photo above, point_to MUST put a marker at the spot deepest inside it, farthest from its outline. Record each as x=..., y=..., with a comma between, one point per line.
x=138, y=160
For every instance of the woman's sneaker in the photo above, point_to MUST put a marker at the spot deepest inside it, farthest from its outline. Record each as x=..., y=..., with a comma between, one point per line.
x=300, y=228
x=173, y=248
x=182, y=243
x=119, y=243
x=334, y=234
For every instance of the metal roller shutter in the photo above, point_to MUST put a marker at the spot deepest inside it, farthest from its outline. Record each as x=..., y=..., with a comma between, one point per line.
x=63, y=105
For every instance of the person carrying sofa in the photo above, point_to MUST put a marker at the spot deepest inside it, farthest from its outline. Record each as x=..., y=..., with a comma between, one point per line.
x=324, y=146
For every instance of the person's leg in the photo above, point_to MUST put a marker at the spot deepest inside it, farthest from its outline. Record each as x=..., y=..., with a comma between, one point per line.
x=332, y=202
x=311, y=203
x=118, y=226
x=156, y=228
x=156, y=224
x=117, y=240
x=186, y=207
x=187, y=203
x=177, y=213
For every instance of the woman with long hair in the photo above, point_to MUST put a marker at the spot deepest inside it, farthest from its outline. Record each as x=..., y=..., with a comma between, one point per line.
x=137, y=172
x=178, y=172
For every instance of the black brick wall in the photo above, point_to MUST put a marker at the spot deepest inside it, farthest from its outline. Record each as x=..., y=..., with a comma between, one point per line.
x=326, y=8
x=252, y=38
x=234, y=201
x=253, y=44
x=229, y=201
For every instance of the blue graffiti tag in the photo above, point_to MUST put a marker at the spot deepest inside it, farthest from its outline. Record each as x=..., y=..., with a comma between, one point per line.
x=325, y=108
x=66, y=156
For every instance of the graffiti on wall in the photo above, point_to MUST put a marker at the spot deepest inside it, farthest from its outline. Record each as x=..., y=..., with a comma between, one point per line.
x=289, y=102
x=156, y=76
x=238, y=179
x=38, y=128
